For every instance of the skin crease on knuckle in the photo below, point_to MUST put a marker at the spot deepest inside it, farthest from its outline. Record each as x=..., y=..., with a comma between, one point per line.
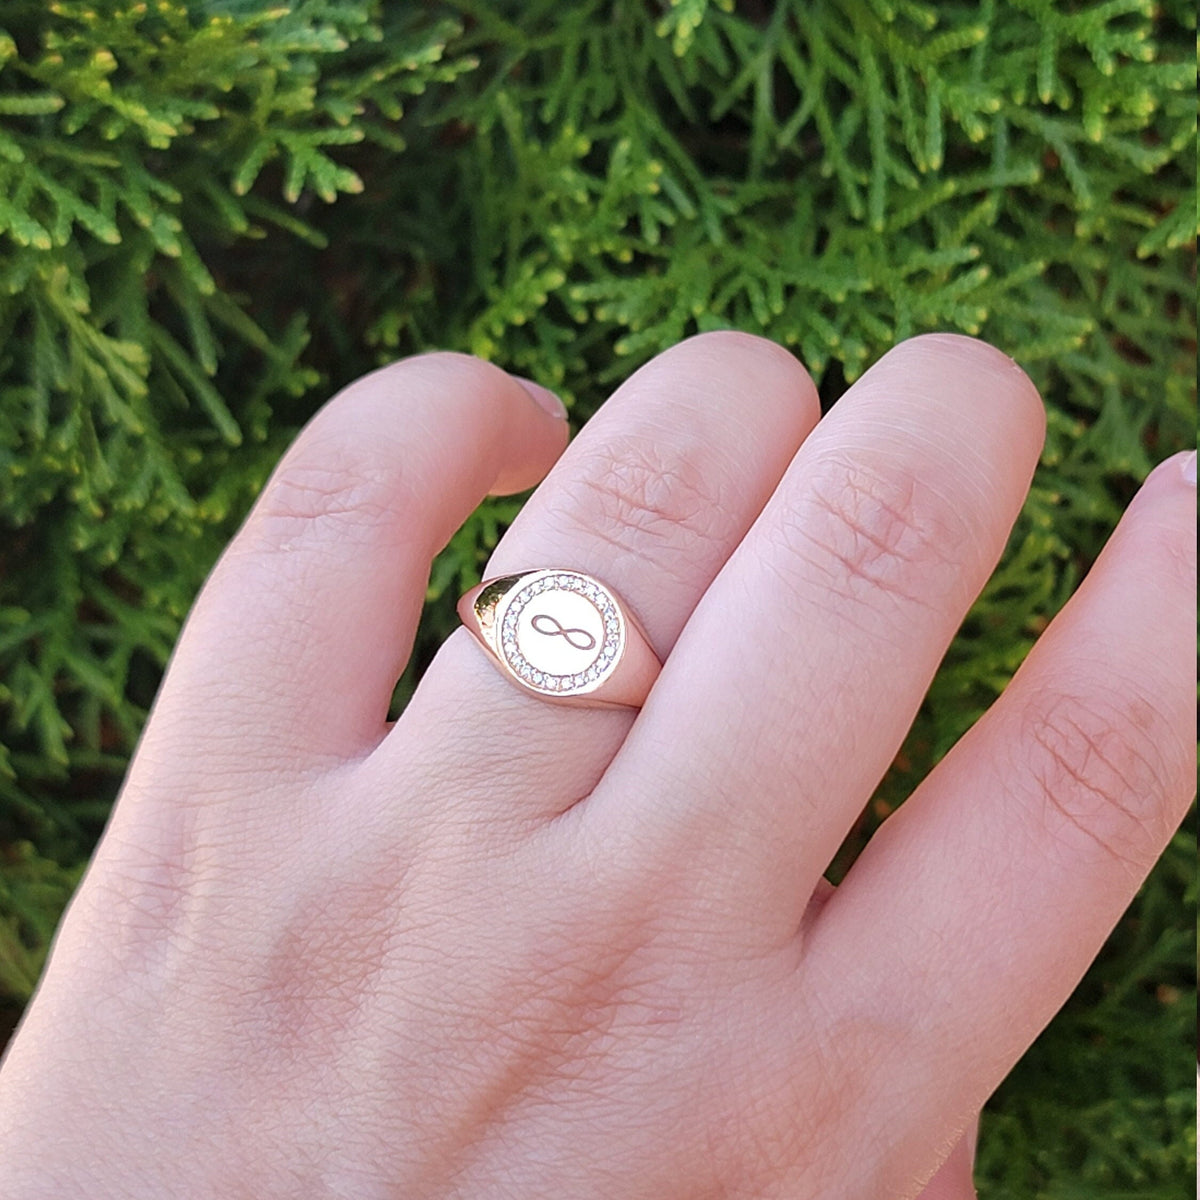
x=862, y=533
x=1112, y=751
x=329, y=490
x=1101, y=760
x=339, y=480
x=651, y=494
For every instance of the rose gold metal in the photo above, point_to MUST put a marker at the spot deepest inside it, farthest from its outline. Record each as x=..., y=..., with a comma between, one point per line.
x=564, y=636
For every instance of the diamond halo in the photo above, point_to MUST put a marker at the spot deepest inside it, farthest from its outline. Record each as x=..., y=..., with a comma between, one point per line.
x=588, y=677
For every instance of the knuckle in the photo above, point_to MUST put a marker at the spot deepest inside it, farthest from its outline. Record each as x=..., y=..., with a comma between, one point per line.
x=346, y=477
x=648, y=498
x=1100, y=773
x=327, y=491
x=145, y=902
x=866, y=533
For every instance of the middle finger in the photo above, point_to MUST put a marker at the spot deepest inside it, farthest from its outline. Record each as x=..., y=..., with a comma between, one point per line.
x=800, y=671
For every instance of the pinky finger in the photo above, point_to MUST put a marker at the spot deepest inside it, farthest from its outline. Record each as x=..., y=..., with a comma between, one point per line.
x=977, y=908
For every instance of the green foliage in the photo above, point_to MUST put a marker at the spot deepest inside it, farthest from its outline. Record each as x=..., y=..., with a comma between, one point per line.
x=213, y=213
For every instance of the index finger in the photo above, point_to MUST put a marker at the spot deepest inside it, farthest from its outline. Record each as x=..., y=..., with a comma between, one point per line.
x=305, y=625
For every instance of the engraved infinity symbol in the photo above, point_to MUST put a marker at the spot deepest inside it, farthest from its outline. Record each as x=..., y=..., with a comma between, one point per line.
x=558, y=631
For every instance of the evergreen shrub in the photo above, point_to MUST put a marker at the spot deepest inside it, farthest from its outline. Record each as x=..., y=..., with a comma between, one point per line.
x=212, y=214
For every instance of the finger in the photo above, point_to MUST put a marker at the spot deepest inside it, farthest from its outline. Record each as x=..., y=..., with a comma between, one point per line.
x=651, y=498
x=308, y=619
x=799, y=673
x=977, y=907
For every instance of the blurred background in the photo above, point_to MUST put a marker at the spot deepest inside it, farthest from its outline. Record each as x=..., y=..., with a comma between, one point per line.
x=214, y=214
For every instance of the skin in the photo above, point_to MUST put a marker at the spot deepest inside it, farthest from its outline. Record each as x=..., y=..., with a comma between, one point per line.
x=507, y=949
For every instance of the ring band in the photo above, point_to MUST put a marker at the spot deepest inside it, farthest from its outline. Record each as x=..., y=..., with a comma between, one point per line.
x=564, y=636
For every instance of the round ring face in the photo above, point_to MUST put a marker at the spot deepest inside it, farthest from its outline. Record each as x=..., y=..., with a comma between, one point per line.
x=561, y=633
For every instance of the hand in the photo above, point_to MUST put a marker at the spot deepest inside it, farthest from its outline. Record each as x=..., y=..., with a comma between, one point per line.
x=509, y=949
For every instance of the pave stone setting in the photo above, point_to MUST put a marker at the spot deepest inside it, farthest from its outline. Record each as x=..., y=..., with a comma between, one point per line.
x=590, y=674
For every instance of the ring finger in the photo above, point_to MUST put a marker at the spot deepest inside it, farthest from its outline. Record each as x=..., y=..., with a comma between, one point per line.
x=651, y=498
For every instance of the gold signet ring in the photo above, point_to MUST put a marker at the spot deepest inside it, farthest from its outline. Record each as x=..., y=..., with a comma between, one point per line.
x=564, y=636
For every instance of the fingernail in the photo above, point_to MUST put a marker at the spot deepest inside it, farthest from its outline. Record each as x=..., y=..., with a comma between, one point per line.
x=1189, y=469
x=544, y=398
